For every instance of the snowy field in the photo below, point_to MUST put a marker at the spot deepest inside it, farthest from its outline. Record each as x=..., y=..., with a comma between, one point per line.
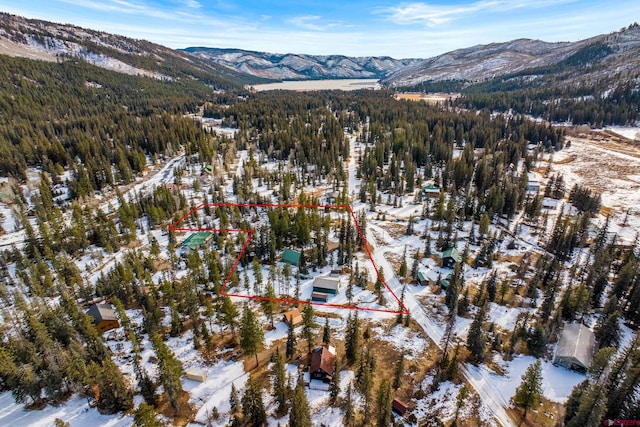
x=610, y=169
x=311, y=85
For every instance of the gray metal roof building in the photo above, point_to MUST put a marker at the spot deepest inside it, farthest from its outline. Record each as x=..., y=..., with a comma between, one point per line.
x=576, y=347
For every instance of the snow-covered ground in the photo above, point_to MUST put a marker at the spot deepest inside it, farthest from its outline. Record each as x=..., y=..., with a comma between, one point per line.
x=630, y=132
x=609, y=169
x=75, y=411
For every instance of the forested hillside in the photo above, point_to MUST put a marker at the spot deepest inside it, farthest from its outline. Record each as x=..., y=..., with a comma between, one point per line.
x=103, y=125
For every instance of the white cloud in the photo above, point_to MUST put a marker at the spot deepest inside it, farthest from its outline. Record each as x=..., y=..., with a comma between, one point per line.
x=433, y=15
x=192, y=4
x=311, y=22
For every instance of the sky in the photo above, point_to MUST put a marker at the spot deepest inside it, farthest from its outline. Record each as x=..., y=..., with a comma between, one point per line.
x=413, y=29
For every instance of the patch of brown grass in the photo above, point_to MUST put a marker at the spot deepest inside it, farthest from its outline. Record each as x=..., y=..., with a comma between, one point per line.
x=568, y=160
x=540, y=416
x=185, y=413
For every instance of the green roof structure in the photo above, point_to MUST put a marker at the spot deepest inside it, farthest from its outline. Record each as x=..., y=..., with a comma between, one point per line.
x=195, y=240
x=291, y=257
x=450, y=258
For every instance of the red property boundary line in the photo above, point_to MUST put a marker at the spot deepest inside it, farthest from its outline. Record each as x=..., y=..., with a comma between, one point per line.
x=175, y=227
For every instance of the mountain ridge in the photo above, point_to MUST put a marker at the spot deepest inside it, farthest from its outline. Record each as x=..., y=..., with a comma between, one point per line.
x=49, y=41
x=301, y=66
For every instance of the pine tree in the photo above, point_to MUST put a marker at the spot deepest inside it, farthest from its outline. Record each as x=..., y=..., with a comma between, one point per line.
x=348, y=406
x=300, y=415
x=334, y=386
x=529, y=391
x=269, y=303
x=352, y=339
x=146, y=416
x=326, y=332
x=229, y=314
x=234, y=402
x=383, y=403
x=279, y=380
x=476, y=338
x=291, y=342
x=492, y=286
x=397, y=376
x=251, y=334
x=113, y=393
x=536, y=341
x=461, y=398
x=170, y=370
x=308, y=325
x=252, y=405
x=591, y=409
x=607, y=330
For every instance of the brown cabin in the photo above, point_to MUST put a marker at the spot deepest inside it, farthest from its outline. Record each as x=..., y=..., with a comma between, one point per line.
x=292, y=317
x=104, y=317
x=399, y=407
x=322, y=362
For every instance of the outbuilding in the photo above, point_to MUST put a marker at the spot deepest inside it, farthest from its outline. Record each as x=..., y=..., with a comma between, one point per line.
x=195, y=374
x=293, y=317
x=291, y=257
x=575, y=348
x=398, y=407
x=326, y=284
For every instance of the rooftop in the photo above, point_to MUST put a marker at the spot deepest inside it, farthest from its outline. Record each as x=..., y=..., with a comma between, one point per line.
x=101, y=312
x=577, y=341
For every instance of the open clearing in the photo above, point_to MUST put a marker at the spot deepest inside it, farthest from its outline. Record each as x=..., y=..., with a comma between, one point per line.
x=608, y=167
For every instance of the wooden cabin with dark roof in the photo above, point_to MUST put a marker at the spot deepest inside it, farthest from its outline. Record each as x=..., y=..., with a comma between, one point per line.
x=104, y=317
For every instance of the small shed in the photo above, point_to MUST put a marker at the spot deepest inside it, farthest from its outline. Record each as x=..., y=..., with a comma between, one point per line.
x=104, y=317
x=319, y=297
x=326, y=284
x=292, y=317
x=322, y=363
x=575, y=347
x=450, y=258
x=423, y=279
x=196, y=374
x=196, y=240
x=398, y=407
x=290, y=256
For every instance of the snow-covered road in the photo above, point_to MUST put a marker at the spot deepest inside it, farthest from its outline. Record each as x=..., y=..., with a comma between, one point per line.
x=480, y=379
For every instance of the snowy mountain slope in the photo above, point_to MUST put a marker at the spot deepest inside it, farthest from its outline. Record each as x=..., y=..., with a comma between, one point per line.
x=299, y=66
x=49, y=41
x=607, y=53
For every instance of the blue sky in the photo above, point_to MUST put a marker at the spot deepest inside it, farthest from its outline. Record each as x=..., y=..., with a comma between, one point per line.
x=349, y=27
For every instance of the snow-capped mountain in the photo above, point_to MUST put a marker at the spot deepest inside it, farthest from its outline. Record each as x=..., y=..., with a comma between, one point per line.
x=300, y=66
x=610, y=53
